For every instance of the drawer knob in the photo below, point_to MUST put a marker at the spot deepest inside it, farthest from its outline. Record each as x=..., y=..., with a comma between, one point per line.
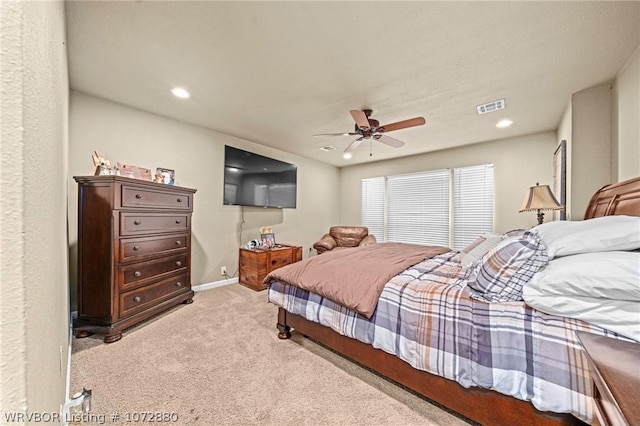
x=136, y=248
x=178, y=263
x=179, y=200
x=137, y=273
x=139, y=196
x=178, y=284
x=178, y=220
x=178, y=242
x=137, y=299
x=137, y=222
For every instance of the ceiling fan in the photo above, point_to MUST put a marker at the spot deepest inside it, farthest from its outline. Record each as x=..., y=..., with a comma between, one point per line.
x=368, y=128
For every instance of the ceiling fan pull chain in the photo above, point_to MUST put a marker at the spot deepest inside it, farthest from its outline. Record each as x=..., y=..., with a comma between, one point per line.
x=370, y=147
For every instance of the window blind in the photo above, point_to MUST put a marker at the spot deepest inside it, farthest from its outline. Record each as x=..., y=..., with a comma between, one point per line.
x=472, y=204
x=372, y=215
x=418, y=208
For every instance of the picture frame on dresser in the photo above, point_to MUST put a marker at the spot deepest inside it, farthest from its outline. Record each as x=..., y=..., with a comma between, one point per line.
x=268, y=240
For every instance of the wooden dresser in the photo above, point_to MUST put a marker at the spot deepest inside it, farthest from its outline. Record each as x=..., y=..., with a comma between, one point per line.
x=134, y=252
x=615, y=372
x=255, y=264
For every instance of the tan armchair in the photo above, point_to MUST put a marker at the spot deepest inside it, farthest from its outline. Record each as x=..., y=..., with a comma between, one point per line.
x=343, y=237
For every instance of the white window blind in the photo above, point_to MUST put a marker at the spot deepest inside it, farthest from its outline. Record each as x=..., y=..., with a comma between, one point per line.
x=472, y=204
x=418, y=208
x=373, y=206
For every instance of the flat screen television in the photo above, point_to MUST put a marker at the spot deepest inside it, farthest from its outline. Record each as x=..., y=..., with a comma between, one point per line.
x=257, y=181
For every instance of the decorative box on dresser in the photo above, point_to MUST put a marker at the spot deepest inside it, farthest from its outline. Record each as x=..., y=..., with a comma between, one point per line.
x=257, y=263
x=134, y=252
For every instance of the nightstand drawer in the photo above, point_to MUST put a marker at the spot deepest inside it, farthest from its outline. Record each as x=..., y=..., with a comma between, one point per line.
x=148, y=198
x=140, y=299
x=136, y=248
x=279, y=258
x=138, y=273
x=151, y=223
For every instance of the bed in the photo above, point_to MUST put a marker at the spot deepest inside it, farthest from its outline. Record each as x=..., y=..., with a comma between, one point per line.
x=486, y=355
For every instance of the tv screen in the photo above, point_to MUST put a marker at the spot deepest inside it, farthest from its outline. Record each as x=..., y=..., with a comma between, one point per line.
x=254, y=180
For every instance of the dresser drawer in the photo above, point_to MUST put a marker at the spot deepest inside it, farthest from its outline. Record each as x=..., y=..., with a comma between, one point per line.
x=149, y=198
x=151, y=223
x=142, y=298
x=278, y=259
x=138, y=273
x=136, y=248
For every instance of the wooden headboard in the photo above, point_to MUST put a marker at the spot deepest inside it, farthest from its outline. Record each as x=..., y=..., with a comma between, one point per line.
x=622, y=198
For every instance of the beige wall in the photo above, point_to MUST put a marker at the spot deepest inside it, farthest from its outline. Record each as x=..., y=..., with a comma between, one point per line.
x=196, y=154
x=589, y=150
x=626, y=122
x=518, y=163
x=34, y=304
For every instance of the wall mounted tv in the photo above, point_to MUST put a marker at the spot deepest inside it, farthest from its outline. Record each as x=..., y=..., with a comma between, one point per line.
x=253, y=180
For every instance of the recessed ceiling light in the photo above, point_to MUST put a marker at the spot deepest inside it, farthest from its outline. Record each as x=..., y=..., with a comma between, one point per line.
x=347, y=155
x=504, y=123
x=180, y=92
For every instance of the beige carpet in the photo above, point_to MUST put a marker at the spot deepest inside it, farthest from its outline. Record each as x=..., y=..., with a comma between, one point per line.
x=219, y=362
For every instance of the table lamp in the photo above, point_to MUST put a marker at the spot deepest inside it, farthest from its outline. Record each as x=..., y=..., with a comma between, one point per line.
x=540, y=198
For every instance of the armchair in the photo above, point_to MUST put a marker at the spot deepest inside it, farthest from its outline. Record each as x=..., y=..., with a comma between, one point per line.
x=343, y=237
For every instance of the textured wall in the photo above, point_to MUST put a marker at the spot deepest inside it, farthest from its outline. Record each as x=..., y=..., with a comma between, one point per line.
x=590, y=148
x=12, y=292
x=34, y=307
x=626, y=135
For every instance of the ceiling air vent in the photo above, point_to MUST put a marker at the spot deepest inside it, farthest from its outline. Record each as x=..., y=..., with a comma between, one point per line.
x=328, y=148
x=491, y=106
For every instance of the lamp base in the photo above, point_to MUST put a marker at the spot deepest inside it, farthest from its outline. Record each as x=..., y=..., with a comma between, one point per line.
x=540, y=217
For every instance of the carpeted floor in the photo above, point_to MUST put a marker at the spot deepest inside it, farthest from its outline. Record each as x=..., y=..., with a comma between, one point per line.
x=219, y=361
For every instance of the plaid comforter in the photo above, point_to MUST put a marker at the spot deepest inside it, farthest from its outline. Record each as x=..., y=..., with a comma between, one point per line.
x=427, y=318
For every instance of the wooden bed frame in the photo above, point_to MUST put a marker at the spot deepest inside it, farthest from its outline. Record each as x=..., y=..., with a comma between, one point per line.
x=478, y=404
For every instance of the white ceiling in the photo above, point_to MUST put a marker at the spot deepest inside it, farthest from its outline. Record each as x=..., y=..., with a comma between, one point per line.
x=278, y=72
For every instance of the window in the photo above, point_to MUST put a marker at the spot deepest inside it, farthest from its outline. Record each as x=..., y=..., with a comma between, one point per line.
x=418, y=208
x=449, y=207
x=472, y=204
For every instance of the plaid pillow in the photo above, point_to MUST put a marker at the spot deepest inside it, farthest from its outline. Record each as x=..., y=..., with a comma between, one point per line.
x=504, y=269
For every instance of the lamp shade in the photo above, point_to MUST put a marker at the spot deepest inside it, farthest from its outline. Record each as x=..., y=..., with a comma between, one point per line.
x=540, y=197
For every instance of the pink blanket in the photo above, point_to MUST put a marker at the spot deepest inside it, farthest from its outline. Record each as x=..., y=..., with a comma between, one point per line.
x=355, y=277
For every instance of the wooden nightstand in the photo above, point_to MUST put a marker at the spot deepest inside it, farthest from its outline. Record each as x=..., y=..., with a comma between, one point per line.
x=615, y=373
x=255, y=264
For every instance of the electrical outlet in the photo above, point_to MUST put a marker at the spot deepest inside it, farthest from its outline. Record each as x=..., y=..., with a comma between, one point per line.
x=223, y=270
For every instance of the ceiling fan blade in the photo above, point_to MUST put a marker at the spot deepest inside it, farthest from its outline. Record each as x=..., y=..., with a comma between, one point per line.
x=353, y=145
x=389, y=141
x=417, y=121
x=361, y=118
x=337, y=134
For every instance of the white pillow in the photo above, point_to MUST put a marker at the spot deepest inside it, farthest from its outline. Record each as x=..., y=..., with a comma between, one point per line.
x=608, y=275
x=607, y=233
x=602, y=289
x=472, y=254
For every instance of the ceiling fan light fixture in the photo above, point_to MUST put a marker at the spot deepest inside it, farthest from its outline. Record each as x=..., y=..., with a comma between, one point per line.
x=347, y=155
x=180, y=93
x=369, y=128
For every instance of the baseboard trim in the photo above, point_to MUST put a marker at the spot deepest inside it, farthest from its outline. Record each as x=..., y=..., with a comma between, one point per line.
x=208, y=286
